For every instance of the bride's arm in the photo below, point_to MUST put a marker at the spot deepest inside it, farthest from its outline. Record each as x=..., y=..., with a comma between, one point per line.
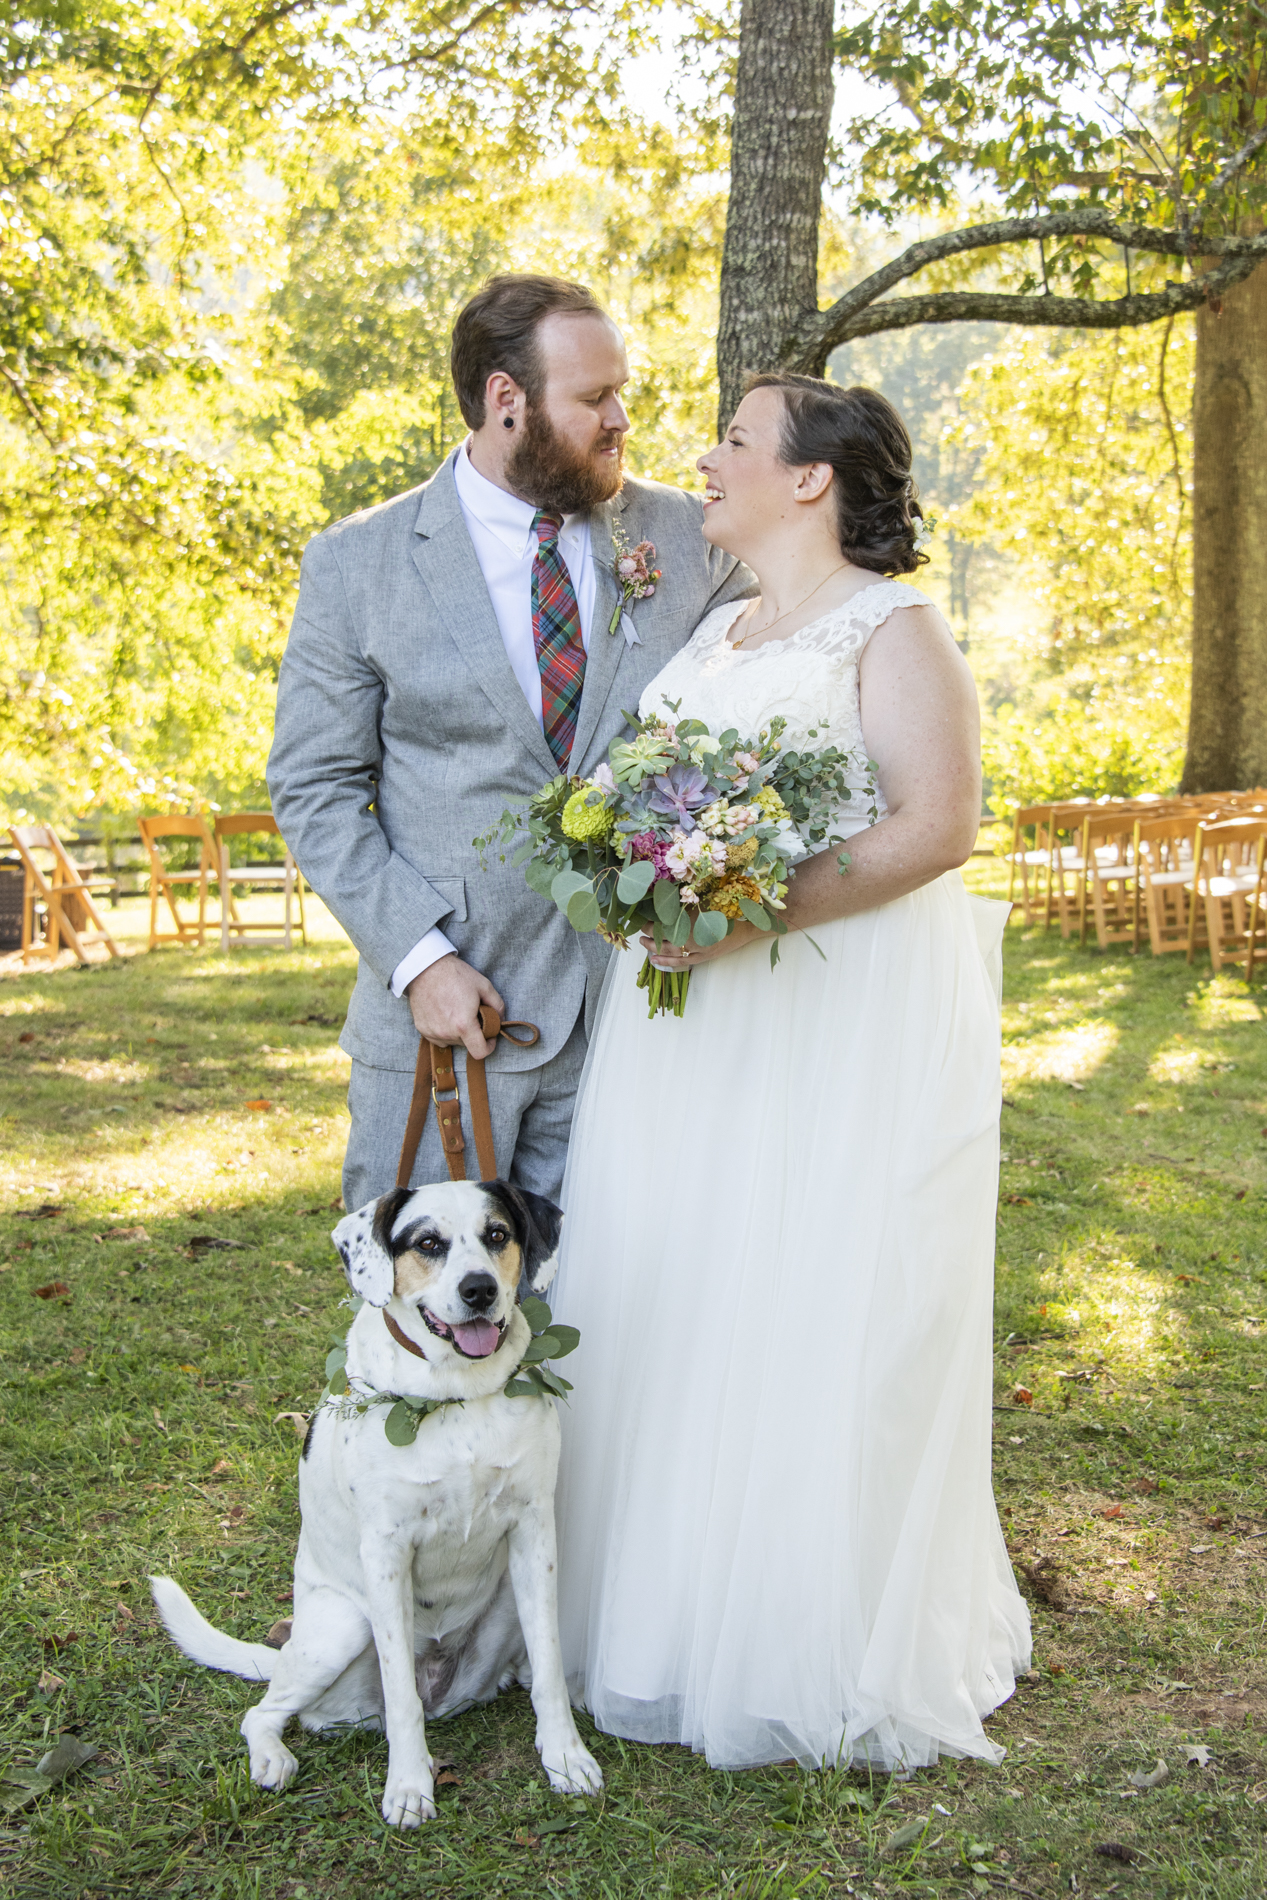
x=922, y=728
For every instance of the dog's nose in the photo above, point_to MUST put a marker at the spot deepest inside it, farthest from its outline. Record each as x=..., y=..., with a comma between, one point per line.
x=479, y=1290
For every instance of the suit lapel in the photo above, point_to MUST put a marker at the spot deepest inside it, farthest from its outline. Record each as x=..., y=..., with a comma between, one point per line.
x=605, y=650
x=445, y=559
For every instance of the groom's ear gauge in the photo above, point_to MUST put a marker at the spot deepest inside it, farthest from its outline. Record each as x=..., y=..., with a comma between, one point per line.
x=508, y=422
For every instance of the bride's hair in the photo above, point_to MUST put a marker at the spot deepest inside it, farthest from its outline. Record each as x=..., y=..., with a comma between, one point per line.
x=862, y=436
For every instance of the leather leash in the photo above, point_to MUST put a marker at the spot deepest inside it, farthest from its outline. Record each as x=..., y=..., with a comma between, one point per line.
x=435, y=1079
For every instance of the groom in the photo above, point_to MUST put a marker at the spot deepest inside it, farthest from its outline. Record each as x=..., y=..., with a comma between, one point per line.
x=451, y=652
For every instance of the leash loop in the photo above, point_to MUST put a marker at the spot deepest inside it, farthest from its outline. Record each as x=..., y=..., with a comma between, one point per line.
x=435, y=1078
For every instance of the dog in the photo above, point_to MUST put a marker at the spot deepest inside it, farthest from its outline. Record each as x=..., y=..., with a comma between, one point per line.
x=425, y=1574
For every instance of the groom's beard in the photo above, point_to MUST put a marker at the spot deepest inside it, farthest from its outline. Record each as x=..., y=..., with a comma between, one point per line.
x=549, y=472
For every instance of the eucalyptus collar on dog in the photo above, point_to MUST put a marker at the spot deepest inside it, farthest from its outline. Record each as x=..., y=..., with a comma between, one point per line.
x=532, y=1377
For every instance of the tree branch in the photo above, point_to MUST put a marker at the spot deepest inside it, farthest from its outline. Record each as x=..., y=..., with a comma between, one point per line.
x=1240, y=159
x=860, y=313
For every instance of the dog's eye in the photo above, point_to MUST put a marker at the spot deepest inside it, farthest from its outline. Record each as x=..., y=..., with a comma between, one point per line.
x=429, y=1245
x=497, y=1236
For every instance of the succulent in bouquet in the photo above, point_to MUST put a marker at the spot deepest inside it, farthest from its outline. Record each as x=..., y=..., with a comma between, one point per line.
x=681, y=833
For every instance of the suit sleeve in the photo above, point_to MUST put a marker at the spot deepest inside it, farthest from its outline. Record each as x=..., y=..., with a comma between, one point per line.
x=323, y=772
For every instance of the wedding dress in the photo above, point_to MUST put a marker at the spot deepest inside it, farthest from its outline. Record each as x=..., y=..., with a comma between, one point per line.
x=777, y=1531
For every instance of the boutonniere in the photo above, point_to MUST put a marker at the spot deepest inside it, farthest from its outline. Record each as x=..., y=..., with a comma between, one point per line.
x=635, y=579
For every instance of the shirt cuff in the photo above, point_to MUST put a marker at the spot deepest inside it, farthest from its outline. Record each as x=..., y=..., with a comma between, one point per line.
x=427, y=951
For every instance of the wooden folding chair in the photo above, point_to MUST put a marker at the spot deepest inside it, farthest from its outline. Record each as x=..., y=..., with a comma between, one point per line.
x=1165, y=854
x=1227, y=881
x=67, y=894
x=164, y=880
x=1108, y=876
x=1033, y=861
x=285, y=877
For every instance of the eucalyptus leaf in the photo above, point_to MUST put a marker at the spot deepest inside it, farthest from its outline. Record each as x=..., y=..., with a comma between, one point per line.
x=336, y=1361
x=710, y=927
x=539, y=877
x=582, y=910
x=554, y=1381
x=635, y=881
x=755, y=913
x=564, y=885
x=520, y=1389
x=540, y=1348
x=66, y=1758
x=668, y=904
x=536, y=1312
x=566, y=1340
x=682, y=928
x=401, y=1424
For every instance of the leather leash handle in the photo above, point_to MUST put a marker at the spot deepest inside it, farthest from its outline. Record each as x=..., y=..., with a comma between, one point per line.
x=435, y=1079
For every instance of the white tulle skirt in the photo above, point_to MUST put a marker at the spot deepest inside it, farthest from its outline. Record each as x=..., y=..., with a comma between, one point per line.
x=777, y=1531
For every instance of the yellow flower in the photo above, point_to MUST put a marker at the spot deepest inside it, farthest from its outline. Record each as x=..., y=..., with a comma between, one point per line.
x=737, y=855
x=582, y=820
x=770, y=802
x=725, y=897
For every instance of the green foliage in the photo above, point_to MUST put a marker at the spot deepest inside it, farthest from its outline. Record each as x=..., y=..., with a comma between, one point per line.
x=1082, y=470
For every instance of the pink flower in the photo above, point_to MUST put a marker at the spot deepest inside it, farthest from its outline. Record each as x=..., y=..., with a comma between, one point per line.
x=627, y=568
x=647, y=845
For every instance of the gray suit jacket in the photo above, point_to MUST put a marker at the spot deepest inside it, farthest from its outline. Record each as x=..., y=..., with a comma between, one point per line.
x=402, y=734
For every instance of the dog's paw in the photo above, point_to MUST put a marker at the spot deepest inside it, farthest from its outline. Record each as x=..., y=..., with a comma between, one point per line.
x=272, y=1764
x=407, y=1800
x=572, y=1769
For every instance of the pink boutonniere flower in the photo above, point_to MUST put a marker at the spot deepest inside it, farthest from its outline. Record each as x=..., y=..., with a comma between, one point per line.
x=635, y=578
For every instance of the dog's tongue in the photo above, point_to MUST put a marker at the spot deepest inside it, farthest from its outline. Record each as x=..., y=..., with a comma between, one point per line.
x=477, y=1338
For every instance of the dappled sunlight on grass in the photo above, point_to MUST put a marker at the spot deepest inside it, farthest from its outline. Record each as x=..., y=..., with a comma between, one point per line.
x=1223, y=999
x=1059, y=1055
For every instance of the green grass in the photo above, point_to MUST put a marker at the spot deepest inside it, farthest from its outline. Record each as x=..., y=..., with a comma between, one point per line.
x=141, y=1432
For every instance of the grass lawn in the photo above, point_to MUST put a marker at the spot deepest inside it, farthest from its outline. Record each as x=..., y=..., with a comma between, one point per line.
x=148, y=1425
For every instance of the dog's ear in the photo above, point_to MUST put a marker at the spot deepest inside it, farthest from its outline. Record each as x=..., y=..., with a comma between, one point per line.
x=364, y=1241
x=537, y=1224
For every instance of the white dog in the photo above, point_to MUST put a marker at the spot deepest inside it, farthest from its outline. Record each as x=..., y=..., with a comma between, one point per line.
x=425, y=1574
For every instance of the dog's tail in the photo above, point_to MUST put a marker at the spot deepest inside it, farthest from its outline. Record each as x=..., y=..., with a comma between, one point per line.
x=202, y=1643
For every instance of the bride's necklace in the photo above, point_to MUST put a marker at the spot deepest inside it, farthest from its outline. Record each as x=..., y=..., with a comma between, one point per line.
x=793, y=609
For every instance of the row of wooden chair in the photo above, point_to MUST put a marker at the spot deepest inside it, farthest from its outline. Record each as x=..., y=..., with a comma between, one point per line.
x=69, y=895
x=1190, y=870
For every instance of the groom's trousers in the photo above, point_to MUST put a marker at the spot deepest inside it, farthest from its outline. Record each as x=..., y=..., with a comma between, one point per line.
x=531, y=1112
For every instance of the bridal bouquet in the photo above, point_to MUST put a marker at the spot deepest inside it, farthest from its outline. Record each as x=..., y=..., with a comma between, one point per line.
x=682, y=833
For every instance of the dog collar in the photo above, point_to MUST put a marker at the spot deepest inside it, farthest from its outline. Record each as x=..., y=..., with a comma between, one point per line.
x=441, y=1331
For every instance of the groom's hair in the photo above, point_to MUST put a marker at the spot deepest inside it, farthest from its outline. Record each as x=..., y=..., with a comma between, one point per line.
x=497, y=330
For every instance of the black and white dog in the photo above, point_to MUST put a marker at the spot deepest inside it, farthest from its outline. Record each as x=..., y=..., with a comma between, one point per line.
x=425, y=1574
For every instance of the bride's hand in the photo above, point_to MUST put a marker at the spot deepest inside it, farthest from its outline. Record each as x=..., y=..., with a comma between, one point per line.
x=690, y=956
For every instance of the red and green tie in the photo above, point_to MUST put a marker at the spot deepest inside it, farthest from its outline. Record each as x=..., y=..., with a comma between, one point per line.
x=556, y=635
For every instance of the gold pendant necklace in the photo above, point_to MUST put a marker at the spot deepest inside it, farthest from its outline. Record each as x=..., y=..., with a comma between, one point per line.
x=792, y=610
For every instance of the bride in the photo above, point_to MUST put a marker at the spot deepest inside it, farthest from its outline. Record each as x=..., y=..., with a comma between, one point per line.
x=777, y=1531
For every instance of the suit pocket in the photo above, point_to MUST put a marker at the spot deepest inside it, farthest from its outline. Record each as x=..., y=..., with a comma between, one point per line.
x=453, y=891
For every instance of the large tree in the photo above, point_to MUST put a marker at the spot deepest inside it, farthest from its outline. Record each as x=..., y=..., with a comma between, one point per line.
x=1125, y=144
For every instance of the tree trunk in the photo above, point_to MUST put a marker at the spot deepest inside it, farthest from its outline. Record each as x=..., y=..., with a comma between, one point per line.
x=1227, y=730
x=778, y=151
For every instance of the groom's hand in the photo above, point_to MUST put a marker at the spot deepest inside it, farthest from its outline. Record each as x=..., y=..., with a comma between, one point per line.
x=445, y=1002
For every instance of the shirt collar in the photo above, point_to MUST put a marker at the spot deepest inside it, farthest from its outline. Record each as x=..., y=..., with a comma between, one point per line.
x=503, y=514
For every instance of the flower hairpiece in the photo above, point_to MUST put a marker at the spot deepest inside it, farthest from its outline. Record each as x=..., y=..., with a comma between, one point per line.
x=922, y=532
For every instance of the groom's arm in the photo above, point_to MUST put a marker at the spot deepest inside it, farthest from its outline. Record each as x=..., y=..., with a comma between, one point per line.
x=323, y=776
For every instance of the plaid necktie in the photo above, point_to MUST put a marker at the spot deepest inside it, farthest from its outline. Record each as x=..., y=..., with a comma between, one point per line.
x=556, y=634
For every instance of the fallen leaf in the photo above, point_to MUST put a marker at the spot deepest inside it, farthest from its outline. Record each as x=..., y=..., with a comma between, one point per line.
x=260, y=1102
x=284, y=1596
x=125, y=1233
x=209, y=1243
x=66, y=1758
x=906, y=1836
x=1043, y=1577
x=220, y=1466
x=297, y=1419
x=1199, y=1550
x=27, y=1036
x=448, y=1779
x=1111, y=1511
x=158, y=1418
x=527, y=1840
x=1018, y=1200
x=1114, y=1850
x=1022, y=1395
x=55, y=1290
x=60, y=1640
x=78, y=1354
x=1144, y=1782
x=1215, y=1523
x=1146, y=1485
x=49, y=1683
x=1196, y=1753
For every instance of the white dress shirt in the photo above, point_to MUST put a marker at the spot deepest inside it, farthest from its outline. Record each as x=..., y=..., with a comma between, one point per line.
x=500, y=526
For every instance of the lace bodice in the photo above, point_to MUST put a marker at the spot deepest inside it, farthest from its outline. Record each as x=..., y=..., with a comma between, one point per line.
x=811, y=678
